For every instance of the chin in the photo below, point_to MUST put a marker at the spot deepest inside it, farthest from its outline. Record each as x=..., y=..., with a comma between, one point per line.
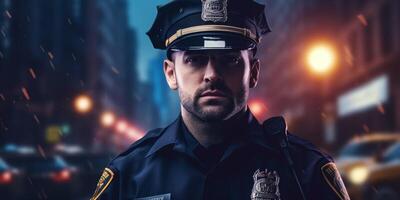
x=215, y=113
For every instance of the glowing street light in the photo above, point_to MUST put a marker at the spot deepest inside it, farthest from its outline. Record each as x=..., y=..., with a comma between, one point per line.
x=321, y=58
x=122, y=126
x=107, y=119
x=134, y=133
x=83, y=103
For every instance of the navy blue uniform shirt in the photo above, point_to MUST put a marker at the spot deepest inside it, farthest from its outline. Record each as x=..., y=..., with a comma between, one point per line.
x=169, y=163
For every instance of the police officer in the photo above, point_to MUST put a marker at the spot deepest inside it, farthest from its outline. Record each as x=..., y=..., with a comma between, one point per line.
x=216, y=149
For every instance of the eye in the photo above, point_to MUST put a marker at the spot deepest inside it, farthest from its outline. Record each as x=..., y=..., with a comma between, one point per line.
x=196, y=60
x=235, y=60
x=232, y=59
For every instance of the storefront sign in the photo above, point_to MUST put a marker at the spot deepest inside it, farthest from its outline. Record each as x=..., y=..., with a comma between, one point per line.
x=371, y=94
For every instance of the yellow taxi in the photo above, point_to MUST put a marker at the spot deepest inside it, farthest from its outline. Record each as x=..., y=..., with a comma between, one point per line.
x=383, y=179
x=361, y=164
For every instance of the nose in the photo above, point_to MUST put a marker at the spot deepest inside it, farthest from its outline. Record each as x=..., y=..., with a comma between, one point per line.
x=212, y=73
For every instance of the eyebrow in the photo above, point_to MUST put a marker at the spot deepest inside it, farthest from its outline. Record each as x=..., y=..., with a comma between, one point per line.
x=207, y=52
x=188, y=53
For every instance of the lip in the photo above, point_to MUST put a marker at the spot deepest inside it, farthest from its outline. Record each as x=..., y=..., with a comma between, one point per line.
x=213, y=93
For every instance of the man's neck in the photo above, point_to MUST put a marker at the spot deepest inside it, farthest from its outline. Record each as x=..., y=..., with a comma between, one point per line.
x=209, y=133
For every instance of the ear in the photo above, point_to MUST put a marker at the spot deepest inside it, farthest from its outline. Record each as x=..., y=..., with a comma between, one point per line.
x=169, y=72
x=254, y=73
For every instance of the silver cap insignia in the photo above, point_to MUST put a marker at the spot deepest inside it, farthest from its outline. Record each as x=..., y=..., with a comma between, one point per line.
x=266, y=185
x=214, y=10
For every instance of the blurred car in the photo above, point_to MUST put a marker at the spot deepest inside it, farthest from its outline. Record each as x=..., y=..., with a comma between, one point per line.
x=87, y=165
x=10, y=179
x=382, y=180
x=45, y=176
x=359, y=155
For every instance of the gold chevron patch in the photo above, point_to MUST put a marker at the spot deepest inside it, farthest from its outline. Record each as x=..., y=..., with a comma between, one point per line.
x=334, y=180
x=104, y=181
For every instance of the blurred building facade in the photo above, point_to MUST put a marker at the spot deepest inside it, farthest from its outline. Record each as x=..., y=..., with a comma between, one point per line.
x=365, y=96
x=112, y=58
x=360, y=95
x=286, y=86
x=53, y=51
x=159, y=105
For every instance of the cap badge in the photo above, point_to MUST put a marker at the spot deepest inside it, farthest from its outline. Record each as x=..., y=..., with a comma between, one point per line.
x=266, y=185
x=214, y=10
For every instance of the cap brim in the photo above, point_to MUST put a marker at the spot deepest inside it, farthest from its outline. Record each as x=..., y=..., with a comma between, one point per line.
x=212, y=41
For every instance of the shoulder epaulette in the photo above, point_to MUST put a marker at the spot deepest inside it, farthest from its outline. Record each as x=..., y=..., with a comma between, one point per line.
x=302, y=143
x=148, y=137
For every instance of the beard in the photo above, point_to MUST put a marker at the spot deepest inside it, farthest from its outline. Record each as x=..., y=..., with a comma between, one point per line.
x=214, y=110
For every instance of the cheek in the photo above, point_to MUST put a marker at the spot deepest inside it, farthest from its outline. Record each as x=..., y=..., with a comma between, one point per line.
x=188, y=80
x=237, y=80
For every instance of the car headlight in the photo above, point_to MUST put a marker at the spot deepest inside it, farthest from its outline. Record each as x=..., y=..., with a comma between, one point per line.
x=358, y=174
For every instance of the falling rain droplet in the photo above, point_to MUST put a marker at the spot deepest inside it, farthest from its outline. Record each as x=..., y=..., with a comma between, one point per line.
x=2, y=97
x=51, y=56
x=365, y=128
x=42, y=48
x=362, y=19
x=26, y=94
x=115, y=70
x=52, y=65
x=348, y=56
x=381, y=108
x=8, y=14
x=41, y=151
x=32, y=73
x=36, y=118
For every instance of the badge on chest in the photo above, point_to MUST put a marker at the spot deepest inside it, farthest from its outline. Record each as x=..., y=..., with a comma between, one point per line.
x=266, y=185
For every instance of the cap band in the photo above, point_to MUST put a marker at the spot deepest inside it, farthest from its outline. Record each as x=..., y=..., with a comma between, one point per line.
x=211, y=28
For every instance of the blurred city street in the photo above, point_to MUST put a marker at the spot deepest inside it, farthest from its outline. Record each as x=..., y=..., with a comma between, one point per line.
x=80, y=82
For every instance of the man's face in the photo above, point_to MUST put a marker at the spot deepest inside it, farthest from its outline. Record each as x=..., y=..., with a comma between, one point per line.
x=212, y=85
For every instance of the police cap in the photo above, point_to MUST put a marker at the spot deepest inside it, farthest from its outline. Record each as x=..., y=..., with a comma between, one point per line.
x=208, y=24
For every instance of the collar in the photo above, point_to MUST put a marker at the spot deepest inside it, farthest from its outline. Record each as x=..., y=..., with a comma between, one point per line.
x=253, y=133
x=257, y=135
x=169, y=136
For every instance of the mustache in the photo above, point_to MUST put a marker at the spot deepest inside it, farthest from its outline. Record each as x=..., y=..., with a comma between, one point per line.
x=213, y=86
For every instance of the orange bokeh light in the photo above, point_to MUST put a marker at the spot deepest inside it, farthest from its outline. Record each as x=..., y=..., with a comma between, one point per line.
x=321, y=58
x=83, y=104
